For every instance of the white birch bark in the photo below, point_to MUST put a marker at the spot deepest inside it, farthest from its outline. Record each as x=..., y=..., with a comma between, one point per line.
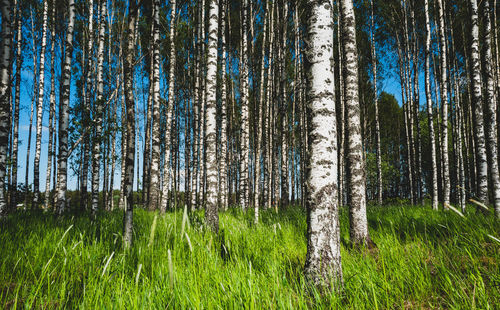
x=154, y=190
x=224, y=112
x=477, y=97
x=375, y=94
x=5, y=58
x=357, y=186
x=491, y=113
x=323, y=263
x=211, y=214
x=99, y=108
x=52, y=110
x=245, y=120
x=39, y=108
x=17, y=99
x=444, y=104
x=167, y=180
x=430, y=114
x=62, y=173
x=260, y=125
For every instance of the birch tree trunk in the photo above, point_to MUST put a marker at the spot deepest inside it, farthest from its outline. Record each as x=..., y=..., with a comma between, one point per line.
x=5, y=58
x=52, y=110
x=261, y=106
x=211, y=213
x=128, y=75
x=444, y=104
x=154, y=185
x=375, y=93
x=62, y=165
x=481, y=160
x=167, y=180
x=323, y=263
x=99, y=105
x=245, y=120
x=17, y=99
x=430, y=114
x=491, y=106
x=224, y=112
x=357, y=186
x=39, y=108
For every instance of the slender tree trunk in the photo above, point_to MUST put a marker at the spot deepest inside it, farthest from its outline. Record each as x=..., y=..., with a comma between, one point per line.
x=477, y=97
x=323, y=263
x=444, y=104
x=224, y=112
x=62, y=173
x=377, y=125
x=357, y=186
x=259, y=129
x=245, y=120
x=39, y=108
x=491, y=106
x=430, y=114
x=17, y=99
x=99, y=106
x=154, y=185
x=168, y=177
x=5, y=58
x=211, y=214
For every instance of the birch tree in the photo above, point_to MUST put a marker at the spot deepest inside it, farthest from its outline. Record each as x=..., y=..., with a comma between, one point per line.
x=154, y=185
x=5, y=57
x=375, y=94
x=39, y=107
x=323, y=262
x=430, y=114
x=444, y=103
x=211, y=216
x=477, y=97
x=62, y=173
x=17, y=99
x=170, y=110
x=245, y=120
x=99, y=106
x=491, y=110
x=356, y=177
x=128, y=68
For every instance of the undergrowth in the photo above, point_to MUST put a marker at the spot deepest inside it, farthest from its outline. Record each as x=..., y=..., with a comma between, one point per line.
x=424, y=259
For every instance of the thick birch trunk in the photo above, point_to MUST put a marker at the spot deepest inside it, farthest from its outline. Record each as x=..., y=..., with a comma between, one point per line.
x=323, y=263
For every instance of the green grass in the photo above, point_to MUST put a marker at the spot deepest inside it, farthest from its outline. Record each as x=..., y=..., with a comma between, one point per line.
x=424, y=259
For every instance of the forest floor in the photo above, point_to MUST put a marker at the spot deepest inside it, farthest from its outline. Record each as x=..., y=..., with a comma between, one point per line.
x=424, y=260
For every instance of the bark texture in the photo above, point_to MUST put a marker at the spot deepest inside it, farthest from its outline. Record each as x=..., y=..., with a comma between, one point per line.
x=323, y=263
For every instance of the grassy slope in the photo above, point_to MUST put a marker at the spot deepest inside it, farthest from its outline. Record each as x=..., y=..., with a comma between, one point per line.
x=425, y=259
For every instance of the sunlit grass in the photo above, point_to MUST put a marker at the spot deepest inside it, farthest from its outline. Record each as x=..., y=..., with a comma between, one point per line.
x=424, y=259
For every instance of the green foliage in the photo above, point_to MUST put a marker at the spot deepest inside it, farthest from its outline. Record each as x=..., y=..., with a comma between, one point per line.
x=424, y=259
